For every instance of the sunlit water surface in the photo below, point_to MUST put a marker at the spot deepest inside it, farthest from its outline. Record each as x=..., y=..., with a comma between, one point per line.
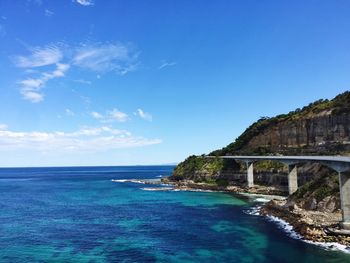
x=80, y=215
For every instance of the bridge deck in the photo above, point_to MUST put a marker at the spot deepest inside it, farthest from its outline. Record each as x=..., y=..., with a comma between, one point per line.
x=292, y=158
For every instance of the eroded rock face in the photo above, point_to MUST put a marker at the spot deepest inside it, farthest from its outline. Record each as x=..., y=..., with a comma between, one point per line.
x=324, y=133
x=309, y=204
x=329, y=204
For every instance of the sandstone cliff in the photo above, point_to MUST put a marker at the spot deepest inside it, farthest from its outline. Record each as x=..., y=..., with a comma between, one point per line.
x=324, y=133
x=321, y=128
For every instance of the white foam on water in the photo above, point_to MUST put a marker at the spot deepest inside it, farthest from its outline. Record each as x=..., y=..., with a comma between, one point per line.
x=262, y=200
x=137, y=182
x=285, y=226
x=128, y=180
x=157, y=189
x=202, y=190
x=255, y=211
x=119, y=180
x=288, y=228
x=195, y=190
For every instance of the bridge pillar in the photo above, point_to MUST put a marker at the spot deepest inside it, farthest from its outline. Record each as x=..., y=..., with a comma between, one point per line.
x=292, y=178
x=250, y=174
x=344, y=183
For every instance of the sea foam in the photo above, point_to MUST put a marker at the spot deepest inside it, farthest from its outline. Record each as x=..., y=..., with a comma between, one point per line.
x=128, y=180
x=288, y=228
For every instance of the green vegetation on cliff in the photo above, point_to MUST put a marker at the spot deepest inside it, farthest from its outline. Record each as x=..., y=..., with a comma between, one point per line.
x=201, y=165
x=340, y=104
x=199, y=168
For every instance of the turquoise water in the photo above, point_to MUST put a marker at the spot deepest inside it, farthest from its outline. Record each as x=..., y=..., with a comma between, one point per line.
x=80, y=215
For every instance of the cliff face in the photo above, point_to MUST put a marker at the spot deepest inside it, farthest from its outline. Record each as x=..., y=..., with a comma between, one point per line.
x=324, y=133
x=321, y=128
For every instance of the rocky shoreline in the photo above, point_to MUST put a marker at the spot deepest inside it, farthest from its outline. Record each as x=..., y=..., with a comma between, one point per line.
x=314, y=226
x=191, y=185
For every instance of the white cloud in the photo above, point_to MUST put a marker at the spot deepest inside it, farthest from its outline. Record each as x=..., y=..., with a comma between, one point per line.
x=144, y=115
x=116, y=115
x=96, y=115
x=69, y=112
x=107, y=57
x=85, y=2
x=113, y=115
x=83, y=81
x=48, y=13
x=32, y=96
x=40, y=56
x=167, y=64
x=86, y=139
x=30, y=88
x=3, y=127
x=98, y=57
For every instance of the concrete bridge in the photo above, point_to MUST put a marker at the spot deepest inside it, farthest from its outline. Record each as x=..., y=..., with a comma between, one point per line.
x=338, y=163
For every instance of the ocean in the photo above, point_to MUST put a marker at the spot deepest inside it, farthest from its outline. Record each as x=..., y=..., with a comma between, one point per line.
x=93, y=214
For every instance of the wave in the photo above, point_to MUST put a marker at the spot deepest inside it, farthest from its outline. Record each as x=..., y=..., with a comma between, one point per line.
x=255, y=210
x=288, y=228
x=119, y=180
x=15, y=179
x=137, y=181
x=196, y=190
x=262, y=200
x=157, y=189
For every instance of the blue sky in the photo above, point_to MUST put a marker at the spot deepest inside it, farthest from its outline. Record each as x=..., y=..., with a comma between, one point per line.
x=93, y=82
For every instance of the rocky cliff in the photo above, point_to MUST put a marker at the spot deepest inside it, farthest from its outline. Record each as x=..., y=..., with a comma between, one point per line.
x=324, y=133
x=321, y=128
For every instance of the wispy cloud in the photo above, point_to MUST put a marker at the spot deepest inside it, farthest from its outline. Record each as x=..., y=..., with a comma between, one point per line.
x=85, y=2
x=144, y=115
x=31, y=87
x=48, y=13
x=98, y=57
x=83, y=81
x=96, y=115
x=113, y=115
x=69, y=112
x=92, y=139
x=3, y=126
x=116, y=115
x=107, y=57
x=166, y=64
x=40, y=56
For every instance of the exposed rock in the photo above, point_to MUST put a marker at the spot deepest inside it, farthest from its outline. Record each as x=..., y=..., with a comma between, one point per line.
x=321, y=128
x=311, y=225
x=257, y=189
x=329, y=204
x=322, y=133
x=309, y=204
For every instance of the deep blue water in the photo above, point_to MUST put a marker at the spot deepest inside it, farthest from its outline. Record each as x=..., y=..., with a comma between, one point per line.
x=80, y=215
